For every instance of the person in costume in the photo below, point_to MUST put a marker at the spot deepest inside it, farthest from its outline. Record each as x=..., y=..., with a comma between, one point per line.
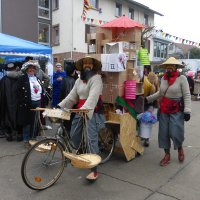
x=86, y=93
x=58, y=76
x=190, y=78
x=151, y=86
x=175, y=108
x=29, y=91
x=8, y=103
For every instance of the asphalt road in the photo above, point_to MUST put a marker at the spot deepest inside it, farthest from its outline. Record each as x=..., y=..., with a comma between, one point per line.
x=140, y=179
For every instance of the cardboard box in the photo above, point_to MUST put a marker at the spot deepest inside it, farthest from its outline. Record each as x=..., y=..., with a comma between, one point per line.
x=111, y=92
x=103, y=42
x=113, y=62
x=140, y=88
x=107, y=33
x=130, y=64
x=116, y=78
x=95, y=36
x=133, y=35
x=132, y=46
x=116, y=47
x=132, y=55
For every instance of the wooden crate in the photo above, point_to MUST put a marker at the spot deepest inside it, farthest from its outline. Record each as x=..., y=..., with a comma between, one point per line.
x=127, y=134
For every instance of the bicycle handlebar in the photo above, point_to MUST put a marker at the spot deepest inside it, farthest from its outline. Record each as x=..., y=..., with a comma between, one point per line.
x=68, y=110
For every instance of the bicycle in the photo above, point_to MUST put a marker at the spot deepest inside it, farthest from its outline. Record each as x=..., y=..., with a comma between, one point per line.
x=45, y=161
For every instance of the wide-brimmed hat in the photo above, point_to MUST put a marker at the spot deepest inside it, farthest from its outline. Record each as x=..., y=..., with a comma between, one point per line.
x=96, y=63
x=10, y=66
x=172, y=61
x=33, y=63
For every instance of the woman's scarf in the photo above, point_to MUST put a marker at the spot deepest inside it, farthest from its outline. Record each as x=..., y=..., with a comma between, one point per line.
x=171, y=76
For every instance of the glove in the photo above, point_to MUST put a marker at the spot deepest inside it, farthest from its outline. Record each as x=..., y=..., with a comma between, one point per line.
x=186, y=117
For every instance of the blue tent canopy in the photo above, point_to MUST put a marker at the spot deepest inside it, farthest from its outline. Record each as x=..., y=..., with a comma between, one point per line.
x=14, y=49
x=11, y=44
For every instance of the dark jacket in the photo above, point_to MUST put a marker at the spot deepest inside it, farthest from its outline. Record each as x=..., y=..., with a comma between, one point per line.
x=24, y=100
x=8, y=103
x=67, y=85
x=191, y=84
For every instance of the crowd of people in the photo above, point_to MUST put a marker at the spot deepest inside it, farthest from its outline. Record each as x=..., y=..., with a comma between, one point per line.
x=21, y=89
x=24, y=85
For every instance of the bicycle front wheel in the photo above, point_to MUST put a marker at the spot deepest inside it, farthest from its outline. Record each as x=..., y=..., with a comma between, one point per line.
x=106, y=144
x=43, y=164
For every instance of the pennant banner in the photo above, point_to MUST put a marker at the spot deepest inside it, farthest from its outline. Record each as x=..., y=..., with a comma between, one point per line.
x=177, y=39
x=93, y=21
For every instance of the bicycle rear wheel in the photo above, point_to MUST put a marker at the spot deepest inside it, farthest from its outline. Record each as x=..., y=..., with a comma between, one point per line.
x=106, y=144
x=43, y=164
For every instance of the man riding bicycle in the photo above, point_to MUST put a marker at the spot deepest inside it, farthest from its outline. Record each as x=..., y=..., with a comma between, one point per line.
x=86, y=93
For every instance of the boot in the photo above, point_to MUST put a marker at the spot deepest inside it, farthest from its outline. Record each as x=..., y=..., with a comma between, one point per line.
x=181, y=155
x=146, y=142
x=165, y=161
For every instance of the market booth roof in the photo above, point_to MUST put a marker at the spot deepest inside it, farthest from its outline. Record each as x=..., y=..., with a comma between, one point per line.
x=10, y=45
x=122, y=22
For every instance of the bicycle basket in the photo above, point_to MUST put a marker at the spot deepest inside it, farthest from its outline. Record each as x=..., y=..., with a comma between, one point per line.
x=56, y=115
x=83, y=160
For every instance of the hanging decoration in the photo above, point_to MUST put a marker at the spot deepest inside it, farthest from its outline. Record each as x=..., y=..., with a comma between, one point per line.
x=93, y=21
x=86, y=7
x=176, y=39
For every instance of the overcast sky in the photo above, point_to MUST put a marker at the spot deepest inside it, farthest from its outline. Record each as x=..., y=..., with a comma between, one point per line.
x=181, y=17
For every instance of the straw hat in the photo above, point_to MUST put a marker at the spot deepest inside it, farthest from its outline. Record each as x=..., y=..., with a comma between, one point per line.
x=83, y=160
x=96, y=63
x=172, y=61
x=33, y=63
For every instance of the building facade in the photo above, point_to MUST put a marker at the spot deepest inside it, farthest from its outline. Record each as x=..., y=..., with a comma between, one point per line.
x=27, y=19
x=69, y=30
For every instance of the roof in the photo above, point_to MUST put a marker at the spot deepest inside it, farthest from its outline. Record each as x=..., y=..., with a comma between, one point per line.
x=143, y=6
x=184, y=47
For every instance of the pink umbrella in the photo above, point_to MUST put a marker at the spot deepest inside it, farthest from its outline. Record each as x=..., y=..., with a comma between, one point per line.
x=122, y=22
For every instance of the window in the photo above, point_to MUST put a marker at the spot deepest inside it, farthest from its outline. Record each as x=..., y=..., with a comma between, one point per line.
x=44, y=33
x=146, y=20
x=55, y=4
x=56, y=35
x=131, y=13
x=89, y=29
x=44, y=9
x=118, y=10
x=160, y=50
x=94, y=3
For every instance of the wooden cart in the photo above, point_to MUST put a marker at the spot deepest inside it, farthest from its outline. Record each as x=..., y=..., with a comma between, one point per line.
x=129, y=141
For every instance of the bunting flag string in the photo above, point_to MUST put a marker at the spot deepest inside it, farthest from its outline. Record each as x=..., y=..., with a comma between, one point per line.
x=93, y=21
x=177, y=39
x=160, y=32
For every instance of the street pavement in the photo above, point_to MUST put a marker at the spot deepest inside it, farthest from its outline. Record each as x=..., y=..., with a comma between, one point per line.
x=139, y=179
